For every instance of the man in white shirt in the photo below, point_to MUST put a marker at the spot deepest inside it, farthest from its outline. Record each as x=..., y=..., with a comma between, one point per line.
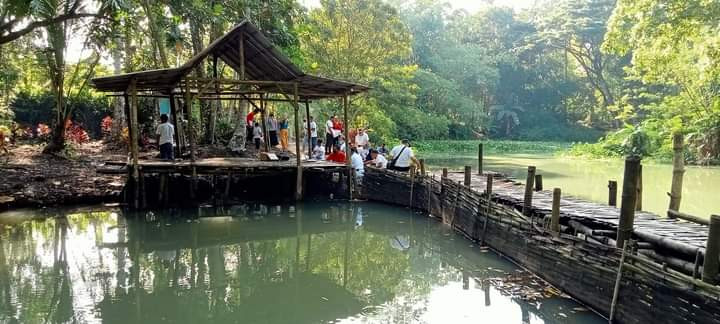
x=329, y=138
x=402, y=155
x=165, y=132
x=362, y=139
x=356, y=162
x=378, y=160
x=313, y=132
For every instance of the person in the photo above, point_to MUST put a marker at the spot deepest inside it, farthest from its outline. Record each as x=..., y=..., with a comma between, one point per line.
x=337, y=155
x=340, y=141
x=329, y=137
x=377, y=160
x=250, y=121
x=273, y=130
x=362, y=141
x=165, y=132
x=319, y=151
x=337, y=129
x=356, y=162
x=257, y=135
x=313, y=133
x=402, y=155
x=303, y=136
x=284, y=125
x=382, y=149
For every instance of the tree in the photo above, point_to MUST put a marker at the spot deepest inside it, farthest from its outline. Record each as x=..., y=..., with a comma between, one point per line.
x=19, y=18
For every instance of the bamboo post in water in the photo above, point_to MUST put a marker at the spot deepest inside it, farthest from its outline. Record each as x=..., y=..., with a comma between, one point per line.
x=480, y=159
x=629, y=199
x=422, y=167
x=468, y=176
x=712, y=252
x=638, y=202
x=444, y=172
x=488, y=194
x=555, y=218
x=529, y=181
x=612, y=193
x=538, y=182
x=678, y=172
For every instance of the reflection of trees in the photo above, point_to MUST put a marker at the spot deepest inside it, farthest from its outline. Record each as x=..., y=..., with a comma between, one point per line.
x=294, y=266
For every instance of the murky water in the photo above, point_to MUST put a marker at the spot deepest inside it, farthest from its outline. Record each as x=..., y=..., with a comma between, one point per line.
x=318, y=263
x=589, y=178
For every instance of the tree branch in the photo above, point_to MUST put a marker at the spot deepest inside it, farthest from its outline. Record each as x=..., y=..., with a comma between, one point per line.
x=11, y=36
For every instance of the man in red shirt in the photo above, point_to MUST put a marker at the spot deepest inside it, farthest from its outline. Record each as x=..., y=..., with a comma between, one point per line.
x=337, y=155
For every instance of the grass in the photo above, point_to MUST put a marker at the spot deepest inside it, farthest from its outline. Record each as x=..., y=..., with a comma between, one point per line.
x=490, y=146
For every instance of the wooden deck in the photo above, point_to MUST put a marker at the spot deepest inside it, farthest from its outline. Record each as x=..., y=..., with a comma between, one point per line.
x=691, y=236
x=217, y=165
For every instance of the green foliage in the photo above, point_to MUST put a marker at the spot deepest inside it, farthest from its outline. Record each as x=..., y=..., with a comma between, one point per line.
x=88, y=111
x=490, y=146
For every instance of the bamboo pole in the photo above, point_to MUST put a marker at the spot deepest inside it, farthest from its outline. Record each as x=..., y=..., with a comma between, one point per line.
x=712, y=252
x=174, y=113
x=638, y=202
x=616, y=290
x=480, y=158
x=468, y=176
x=629, y=199
x=678, y=172
x=422, y=167
x=555, y=216
x=444, y=173
x=242, y=56
x=529, y=181
x=307, y=118
x=191, y=124
x=690, y=218
x=612, y=193
x=298, y=155
x=488, y=195
x=538, y=182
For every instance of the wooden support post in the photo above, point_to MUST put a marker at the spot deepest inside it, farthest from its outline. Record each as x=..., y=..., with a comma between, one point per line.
x=143, y=192
x=629, y=199
x=678, y=172
x=307, y=118
x=347, y=146
x=298, y=155
x=480, y=159
x=444, y=173
x=616, y=290
x=133, y=126
x=712, y=252
x=227, y=186
x=191, y=131
x=263, y=120
x=174, y=113
x=612, y=193
x=488, y=196
x=538, y=182
x=555, y=218
x=242, y=56
x=193, y=183
x=422, y=167
x=529, y=183
x=638, y=202
x=468, y=176
x=161, y=191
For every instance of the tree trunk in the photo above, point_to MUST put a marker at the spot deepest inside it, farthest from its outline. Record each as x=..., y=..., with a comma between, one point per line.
x=56, y=66
x=118, y=104
x=157, y=37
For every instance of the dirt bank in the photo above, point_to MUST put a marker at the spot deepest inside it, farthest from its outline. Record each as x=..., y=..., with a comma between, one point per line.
x=29, y=178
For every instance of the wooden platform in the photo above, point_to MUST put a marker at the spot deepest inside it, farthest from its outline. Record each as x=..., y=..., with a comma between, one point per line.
x=217, y=165
x=692, y=236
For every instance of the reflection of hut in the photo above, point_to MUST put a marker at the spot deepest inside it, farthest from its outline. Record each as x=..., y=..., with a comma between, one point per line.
x=307, y=298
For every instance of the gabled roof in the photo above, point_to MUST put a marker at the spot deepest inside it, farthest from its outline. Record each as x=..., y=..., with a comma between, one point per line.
x=263, y=62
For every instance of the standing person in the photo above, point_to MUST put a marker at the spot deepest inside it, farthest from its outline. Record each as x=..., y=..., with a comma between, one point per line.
x=284, y=125
x=402, y=155
x=337, y=129
x=356, y=162
x=362, y=141
x=313, y=133
x=273, y=130
x=165, y=132
x=257, y=135
x=319, y=151
x=329, y=136
x=250, y=122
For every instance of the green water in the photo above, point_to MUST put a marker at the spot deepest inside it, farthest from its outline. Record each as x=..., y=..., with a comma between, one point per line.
x=588, y=178
x=317, y=263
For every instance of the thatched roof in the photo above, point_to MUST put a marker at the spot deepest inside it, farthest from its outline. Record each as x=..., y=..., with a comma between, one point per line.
x=263, y=62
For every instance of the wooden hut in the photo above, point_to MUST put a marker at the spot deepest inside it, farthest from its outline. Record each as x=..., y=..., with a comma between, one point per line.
x=261, y=68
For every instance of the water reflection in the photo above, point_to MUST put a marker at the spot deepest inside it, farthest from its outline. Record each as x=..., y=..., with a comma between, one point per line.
x=311, y=263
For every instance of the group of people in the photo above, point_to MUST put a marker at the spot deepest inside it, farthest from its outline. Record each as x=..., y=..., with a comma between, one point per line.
x=277, y=130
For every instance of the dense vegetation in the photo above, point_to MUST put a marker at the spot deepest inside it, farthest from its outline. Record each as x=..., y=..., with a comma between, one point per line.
x=569, y=70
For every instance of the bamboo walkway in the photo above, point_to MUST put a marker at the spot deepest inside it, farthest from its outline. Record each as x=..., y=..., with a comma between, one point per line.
x=692, y=235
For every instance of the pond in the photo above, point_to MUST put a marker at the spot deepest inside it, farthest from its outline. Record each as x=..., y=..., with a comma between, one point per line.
x=589, y=178
x=321, y=262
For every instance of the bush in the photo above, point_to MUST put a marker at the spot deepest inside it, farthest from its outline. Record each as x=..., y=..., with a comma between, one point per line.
x=33, y=109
